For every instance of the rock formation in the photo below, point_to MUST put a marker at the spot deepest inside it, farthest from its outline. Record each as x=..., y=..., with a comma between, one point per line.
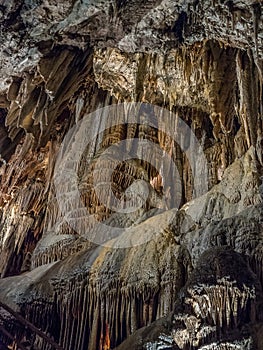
x=182, y=85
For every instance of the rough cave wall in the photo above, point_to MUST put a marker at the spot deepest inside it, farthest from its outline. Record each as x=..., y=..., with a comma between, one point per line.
x=203, y=62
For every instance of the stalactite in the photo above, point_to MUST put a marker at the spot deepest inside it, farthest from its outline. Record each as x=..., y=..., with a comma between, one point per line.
x=207, y=73
x=93, y=304
x=226, y=303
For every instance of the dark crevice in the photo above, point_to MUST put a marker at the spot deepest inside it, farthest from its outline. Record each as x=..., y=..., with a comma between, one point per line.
x=179, y=26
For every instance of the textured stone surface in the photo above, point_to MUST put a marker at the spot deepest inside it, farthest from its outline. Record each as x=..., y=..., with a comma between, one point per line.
x=212, y=305
x=198, y=283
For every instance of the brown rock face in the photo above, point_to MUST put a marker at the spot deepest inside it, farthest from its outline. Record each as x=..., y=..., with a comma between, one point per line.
x=131, y=174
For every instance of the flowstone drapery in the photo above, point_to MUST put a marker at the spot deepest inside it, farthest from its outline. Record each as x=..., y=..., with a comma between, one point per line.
x=197, y=283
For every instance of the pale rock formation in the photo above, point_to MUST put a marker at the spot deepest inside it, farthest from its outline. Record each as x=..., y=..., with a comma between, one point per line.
x=196, y=283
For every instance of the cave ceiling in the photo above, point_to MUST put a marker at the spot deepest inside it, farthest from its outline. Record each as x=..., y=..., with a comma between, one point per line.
x=131, y=174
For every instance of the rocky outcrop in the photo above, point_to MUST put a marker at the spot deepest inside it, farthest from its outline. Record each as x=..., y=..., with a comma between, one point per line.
x=147, y=119
x=222, y=308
